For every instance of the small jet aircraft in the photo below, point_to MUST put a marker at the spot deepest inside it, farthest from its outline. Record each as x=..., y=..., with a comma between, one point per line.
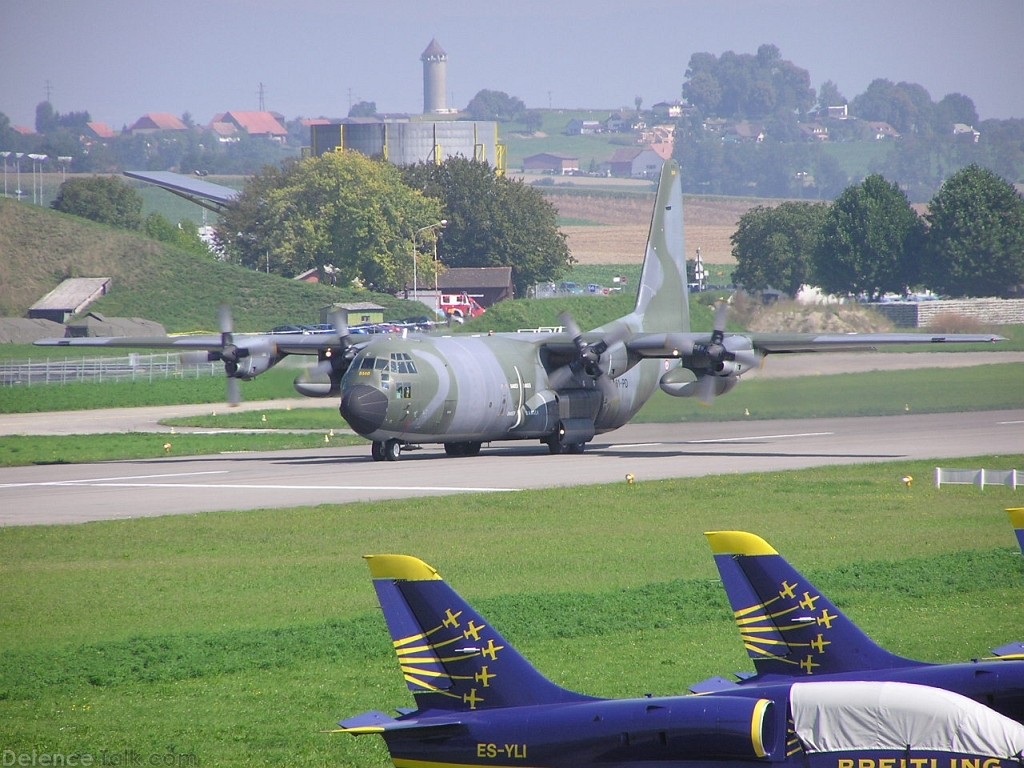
x=559, y=388
x=792, y=631
x=480, y=703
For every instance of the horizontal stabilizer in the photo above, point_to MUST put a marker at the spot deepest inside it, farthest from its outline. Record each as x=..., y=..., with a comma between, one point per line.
x=1009, y=652
x=378, y=722
x=713, y=685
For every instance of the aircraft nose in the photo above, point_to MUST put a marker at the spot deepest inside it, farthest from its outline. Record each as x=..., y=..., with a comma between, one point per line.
x=364, y=408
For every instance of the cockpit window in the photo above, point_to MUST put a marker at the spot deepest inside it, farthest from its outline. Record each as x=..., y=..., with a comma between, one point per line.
x=398, y=362
x=401, y=362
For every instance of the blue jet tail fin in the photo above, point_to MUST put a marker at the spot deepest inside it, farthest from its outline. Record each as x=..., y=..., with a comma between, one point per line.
x=787, y=626
x=1017, y=521
x=452, y=659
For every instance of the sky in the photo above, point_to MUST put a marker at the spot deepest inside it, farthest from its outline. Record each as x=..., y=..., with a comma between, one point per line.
x=119, y=59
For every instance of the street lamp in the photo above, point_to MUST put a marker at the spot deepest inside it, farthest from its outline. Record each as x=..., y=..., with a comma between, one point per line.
x=17, y=165
x=437, y=225
x=37, y=172
x=5, y=154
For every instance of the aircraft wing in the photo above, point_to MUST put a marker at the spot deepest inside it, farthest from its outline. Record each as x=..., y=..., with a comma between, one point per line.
x=213, y=197
x=284, y=344
x=776, y=343
x=678, y=344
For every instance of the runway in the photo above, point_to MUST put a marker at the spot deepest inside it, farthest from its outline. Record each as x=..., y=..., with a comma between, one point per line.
x=45, y=495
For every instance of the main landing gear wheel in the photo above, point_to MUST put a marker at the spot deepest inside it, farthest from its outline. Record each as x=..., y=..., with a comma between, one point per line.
x=377, y=450
x=386, y=450
x=557, y=446
x=470, y=448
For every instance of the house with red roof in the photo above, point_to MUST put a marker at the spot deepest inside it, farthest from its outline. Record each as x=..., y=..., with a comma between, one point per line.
x=154, y=122
x=99, y=131
x=266, y=125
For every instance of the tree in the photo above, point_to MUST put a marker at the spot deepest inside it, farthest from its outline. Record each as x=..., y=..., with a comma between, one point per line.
x=341, y=208
x=106, y=199
x=829, y=96
x=870, y=241
x=975, y=241
x=773, y=247
x=496, y=105
x=493, y=221
x=745, y=86
x=183, y=235
x=954, y=108
x=363, y=109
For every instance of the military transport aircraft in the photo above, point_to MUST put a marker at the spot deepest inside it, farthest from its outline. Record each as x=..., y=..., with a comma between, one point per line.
x=480, y=703
x=792, y=631
x=559, y=388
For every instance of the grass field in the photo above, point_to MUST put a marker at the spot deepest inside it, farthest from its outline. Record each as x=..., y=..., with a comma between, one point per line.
x=233, y=639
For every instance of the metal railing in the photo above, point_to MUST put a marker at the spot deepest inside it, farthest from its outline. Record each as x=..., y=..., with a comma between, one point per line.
x=131, y=367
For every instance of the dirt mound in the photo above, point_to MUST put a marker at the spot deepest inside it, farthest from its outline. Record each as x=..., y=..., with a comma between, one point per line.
x=832, y=318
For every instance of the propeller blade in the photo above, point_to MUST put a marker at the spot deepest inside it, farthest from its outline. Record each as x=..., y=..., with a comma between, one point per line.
x=608, y=387
x=706, y=386
x=225, y=321
x=234, y=391
x=748, y=358
x=721, y=318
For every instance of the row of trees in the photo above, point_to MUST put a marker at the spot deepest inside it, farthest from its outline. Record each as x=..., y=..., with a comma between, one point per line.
x=367, y=219
x=362, y=217
x=870, y=241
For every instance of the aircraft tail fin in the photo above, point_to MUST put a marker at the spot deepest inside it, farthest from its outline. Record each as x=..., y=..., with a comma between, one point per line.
x=1017, y=521
x=452, y=659
x=787, y=625
x=662, y=302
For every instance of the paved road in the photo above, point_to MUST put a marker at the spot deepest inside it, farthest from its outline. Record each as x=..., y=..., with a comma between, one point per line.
x=124, y=489
x=114, y=420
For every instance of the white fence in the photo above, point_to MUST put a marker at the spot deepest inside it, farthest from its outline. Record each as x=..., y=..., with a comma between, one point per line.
x=132, y=367
x=978, y=477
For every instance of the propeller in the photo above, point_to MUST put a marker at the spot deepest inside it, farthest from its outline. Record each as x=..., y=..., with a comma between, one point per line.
x=230, y=354
x=720, y=358
x=588, y=359
x=324, y=378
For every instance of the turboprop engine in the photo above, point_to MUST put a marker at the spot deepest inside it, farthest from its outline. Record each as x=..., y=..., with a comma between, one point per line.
x=682, y=382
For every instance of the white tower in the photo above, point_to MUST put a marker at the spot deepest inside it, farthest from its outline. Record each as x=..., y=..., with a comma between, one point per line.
x=435, y=78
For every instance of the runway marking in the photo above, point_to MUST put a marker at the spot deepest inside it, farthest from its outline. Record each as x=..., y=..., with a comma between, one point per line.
x=760, y=437
x=1005, y=423
x=130, y=483
x=96, y=480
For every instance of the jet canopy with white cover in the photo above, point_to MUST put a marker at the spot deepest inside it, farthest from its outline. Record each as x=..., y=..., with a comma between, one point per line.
x=859, y=716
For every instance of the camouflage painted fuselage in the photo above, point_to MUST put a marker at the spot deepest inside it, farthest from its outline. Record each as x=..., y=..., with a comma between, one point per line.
x=482, y=388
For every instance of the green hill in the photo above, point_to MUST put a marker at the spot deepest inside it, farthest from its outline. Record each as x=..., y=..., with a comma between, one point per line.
x=39, y=248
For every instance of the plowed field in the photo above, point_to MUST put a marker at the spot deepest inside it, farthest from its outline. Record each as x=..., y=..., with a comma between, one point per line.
x=616, y=231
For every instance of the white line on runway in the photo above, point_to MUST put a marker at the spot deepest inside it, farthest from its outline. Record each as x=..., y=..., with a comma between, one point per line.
x=97, y=480
x=239, y=486
x=760, y=437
